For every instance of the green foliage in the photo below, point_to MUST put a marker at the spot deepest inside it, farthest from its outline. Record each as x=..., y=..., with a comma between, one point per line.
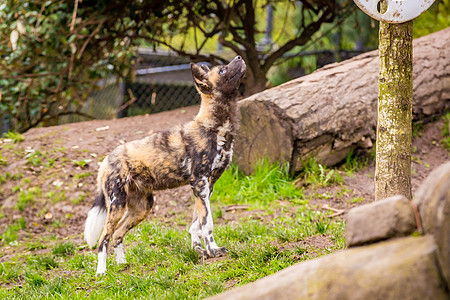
x=436, y=18
x=354, y=163
x=33, y=246
x=64, y=249
x=82, y=175
x=80, y=198
x=416, y=128
x=51, y=62
x=43, y=262
x=10, y=233
x=56, y=196
x=3, y=161
x=357, y=199
x=27, y=196
x=80, y=163
x=161, y=264
x=35, y=280
x=446, y=132
x=268, y=183
x=14, y=136
x=316, y=174
x=35, y=158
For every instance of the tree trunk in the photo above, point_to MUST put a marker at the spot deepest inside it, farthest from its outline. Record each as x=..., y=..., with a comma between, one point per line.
x=330, y=112
x=394, y=132
x=256, y=80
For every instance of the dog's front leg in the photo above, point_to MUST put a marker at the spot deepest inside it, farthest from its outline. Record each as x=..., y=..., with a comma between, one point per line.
x=196, y=234
x=202, y=189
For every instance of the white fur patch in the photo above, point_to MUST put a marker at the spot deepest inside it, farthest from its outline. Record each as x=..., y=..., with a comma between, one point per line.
x=101, y=267
x=206, y=191
x=194, y=231
x=94, y=225
x=112, y=199
x=187, y=162
x=120, y=256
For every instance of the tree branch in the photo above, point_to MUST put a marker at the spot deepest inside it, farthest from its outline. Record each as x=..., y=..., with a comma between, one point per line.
x=306, y=34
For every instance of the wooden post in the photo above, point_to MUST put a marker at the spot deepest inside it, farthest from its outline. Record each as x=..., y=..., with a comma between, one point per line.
x=394, y=132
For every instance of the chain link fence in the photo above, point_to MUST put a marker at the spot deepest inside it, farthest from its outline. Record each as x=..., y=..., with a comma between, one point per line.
x=162, y=82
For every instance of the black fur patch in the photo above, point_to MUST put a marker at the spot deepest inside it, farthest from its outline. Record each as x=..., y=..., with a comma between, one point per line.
x=100, y=201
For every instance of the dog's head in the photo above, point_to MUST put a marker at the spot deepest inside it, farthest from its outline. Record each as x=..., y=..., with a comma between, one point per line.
x=218, y=80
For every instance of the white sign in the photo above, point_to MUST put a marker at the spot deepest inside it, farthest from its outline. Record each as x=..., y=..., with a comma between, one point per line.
x=398, y=11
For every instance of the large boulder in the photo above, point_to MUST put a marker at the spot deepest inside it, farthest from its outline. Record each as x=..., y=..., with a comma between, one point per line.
x=380, y=220
x=433, y=201
x=396, y=269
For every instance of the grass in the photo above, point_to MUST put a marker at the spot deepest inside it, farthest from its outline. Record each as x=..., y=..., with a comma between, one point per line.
x=162, y=265
x=316, y=174
x=14, y=136
x=267, y=184
x=354, y=163
x=26, y=197
x=446, y=132
x=3, y=161
x=9, y=236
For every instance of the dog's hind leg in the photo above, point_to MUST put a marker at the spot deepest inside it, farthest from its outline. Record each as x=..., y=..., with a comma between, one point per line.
x=138, y=208
x=116, y=210
x=202, y=189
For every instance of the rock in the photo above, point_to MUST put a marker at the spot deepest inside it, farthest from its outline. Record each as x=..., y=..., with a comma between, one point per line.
x=380, y=220
x=402, y=268
x=433, y=202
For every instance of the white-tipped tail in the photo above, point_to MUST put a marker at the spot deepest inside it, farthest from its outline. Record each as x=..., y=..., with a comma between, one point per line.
x=94, y=225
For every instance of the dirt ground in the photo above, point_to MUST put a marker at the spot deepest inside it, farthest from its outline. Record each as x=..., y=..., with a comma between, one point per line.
x=69, y=158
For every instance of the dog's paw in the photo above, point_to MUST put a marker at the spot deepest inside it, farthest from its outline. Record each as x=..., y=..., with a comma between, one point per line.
x=201, y=252
x=217, y=252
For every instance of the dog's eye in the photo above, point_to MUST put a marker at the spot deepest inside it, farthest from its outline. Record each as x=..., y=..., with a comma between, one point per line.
x=221, y=71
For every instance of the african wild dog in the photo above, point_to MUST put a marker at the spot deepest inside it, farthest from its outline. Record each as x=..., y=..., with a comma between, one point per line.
x=196, y=153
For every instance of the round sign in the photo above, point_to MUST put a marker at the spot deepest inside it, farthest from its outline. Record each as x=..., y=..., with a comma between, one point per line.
x=398, y=11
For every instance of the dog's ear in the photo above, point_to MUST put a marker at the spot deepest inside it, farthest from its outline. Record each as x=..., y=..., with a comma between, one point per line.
x=205, y=67
x=200, y=75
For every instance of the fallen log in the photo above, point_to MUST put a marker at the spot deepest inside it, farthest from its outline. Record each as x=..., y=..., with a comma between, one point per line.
x=328, y=113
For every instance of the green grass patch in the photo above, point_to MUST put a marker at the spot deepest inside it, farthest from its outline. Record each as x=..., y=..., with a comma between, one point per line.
x=9, y=236
x=160, y=261
x=417, y=128
x=317, y=174
x=354, y=163
x=80, y=163
x=14, y=136
x=26, y=197
x=267, y=184
x=35, y=158
x=445, y=141
x=82, y=175
x=162, y=265
x=64, y=249
x=3, y=161
x=56, y=196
